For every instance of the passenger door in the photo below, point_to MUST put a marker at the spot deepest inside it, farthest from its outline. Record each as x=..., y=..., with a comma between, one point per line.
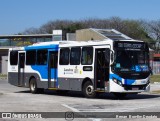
x=102, y=58
x=52, y=69
x=21, y=66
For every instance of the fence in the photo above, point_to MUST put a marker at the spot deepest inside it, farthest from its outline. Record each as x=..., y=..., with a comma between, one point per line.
x=155, y=65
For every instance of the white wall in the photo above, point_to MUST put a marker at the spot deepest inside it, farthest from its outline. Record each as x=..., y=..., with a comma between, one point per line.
x=4, y=65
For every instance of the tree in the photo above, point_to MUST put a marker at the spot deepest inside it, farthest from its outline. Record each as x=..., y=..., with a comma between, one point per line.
x=131, y=28
x=152, y=28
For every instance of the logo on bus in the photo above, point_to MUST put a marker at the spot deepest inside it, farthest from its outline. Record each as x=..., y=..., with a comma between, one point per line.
x=68, y=71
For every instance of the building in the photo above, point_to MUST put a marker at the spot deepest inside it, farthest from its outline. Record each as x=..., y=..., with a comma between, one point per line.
x=99, y=34
x=156, y=64
x=8, y=41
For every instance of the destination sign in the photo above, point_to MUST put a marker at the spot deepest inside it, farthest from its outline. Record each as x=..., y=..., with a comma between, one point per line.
x=129, y=45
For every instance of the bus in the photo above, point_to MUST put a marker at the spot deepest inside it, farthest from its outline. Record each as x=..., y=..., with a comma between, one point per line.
x=120, y=67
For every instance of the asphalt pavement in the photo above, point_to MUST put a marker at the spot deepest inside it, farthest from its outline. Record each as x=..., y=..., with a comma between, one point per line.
x=67, y=106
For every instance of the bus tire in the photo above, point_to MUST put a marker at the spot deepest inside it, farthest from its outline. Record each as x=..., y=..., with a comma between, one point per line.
x=120, y=95
x=88, y=90
x=33, y=87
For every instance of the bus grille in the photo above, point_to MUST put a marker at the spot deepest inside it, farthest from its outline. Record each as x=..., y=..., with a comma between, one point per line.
x=134, y=87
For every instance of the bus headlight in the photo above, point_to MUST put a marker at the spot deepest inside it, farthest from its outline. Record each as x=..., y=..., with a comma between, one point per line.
x=117, y=81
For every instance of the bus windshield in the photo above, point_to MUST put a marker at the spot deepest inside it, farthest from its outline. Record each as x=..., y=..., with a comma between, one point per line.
x=129, y=60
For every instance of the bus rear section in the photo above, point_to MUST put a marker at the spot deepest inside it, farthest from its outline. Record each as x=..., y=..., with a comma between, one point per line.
x=34, y=67
x=16, y=64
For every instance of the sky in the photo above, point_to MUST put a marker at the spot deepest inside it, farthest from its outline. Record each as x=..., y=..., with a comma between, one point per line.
x=19, y=15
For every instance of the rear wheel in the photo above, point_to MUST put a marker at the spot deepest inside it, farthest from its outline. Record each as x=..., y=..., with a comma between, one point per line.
x=88, y=90
x=33, y=87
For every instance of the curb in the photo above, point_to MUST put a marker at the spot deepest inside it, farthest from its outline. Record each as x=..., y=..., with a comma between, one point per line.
x=156, y=83
x=3, y=78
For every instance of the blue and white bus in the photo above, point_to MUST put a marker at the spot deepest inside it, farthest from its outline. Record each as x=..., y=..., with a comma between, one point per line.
x=120, y=67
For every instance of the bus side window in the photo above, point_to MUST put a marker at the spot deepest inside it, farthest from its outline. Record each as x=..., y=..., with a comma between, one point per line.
x=13, y=57
x=75, y=56
x=64, y=56
x=87, y=56
x=42, y=57
x=30, y=57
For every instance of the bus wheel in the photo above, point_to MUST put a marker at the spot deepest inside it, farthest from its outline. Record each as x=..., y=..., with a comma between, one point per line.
x=33, y=86
x=120, y=95
x=88, y=90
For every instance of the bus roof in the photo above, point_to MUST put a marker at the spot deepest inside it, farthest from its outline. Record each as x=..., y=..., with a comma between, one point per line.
x=56, y=44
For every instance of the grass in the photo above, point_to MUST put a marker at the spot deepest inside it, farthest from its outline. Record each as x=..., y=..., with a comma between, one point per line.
x=3, y=75
x=156, y=92
x=155, y=78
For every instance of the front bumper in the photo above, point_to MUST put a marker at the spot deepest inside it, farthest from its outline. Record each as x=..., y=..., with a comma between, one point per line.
x=114, y=87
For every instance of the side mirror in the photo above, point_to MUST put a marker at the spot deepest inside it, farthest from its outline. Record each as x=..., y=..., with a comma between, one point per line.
x=112, y=57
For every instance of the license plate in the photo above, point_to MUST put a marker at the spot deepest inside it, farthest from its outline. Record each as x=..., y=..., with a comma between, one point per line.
x=135, y=88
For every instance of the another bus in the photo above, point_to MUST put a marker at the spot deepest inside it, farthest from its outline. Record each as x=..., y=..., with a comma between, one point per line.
x=119, y=67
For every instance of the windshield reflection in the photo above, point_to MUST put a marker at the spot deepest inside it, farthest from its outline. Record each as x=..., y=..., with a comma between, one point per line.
x=127, y=60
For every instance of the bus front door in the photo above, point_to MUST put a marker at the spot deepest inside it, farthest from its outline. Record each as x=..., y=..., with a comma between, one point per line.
x=21, y=64
x=101, y=68
x=52, y=69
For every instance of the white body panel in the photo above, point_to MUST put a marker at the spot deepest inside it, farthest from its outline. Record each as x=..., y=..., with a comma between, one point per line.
x=76, y=71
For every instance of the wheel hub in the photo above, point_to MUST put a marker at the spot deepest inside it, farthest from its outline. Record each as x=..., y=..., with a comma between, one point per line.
x=32, y=86
x=89, y=90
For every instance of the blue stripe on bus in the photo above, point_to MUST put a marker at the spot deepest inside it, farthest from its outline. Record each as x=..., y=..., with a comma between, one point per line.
x=115, y=76
x=129, y=81
x=53, y=46
x=43, y=70
x=126, y=81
